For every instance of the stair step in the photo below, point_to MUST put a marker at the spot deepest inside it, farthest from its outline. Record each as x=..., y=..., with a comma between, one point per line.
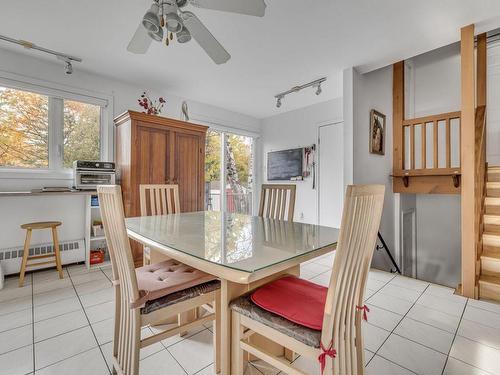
x=492, y=205
x=490, y=262
x=493, y=189
x=491, y=223
x=491, y=239
x=493, y=174
x=489, y=287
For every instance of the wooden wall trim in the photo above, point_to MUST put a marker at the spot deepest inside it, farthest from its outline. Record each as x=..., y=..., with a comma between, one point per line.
x=398, y=114
x=467, y=147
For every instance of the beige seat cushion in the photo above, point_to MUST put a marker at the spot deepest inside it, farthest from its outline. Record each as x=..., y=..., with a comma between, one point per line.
x=161, y=279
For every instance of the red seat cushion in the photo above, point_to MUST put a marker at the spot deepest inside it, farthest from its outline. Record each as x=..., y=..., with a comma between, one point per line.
x=297, y=300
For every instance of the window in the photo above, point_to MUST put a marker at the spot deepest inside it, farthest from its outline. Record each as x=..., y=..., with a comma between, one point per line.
x=42, y=130
x=229, y=159
x=81, y=132
x=24, y=129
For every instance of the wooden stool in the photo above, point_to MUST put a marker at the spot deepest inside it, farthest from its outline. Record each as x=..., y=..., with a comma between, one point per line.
x=40, y=225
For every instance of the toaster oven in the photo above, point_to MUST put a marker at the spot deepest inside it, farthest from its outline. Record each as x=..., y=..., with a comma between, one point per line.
x=89, y=174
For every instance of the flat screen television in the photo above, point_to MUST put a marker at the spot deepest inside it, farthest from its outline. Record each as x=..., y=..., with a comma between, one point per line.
x=285, y=165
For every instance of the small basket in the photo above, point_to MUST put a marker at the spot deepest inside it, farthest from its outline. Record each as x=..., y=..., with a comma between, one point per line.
x=97, y=256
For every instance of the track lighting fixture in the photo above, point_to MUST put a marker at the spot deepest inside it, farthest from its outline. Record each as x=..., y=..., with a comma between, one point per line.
x=317, y=84
x=68, y=59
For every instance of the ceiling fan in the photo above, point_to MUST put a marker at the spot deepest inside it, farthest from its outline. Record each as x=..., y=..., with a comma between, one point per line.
x=167, y=17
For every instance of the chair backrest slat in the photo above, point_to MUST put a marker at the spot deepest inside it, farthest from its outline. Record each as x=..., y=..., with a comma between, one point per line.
x=163, y=199
x=274, y=200
x=357, y=239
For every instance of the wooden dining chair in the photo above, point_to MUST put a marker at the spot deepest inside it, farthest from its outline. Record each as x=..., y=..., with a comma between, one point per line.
x=277, y=201
x=150, y=294
x=336, y=340
x=157, y=199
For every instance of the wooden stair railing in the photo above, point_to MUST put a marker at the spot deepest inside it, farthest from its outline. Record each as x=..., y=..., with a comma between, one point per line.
x=481, y=179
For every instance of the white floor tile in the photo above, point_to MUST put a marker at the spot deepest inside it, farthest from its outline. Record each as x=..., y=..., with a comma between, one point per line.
x=326, y=260
x=195, y=352
x=53, y=296
x=57, y=325
x=401, y=292
x=100, y=312
x=307, y=365
x=92, y=286
x=412, y=356
x=49, y=285
x=375, y=284
x=61, y=307
x=323, y=279
x=63, y=346
x=314, y=268
x=483, y=317
x=381, y=275
x=14, y=305
x=78, y=269
x=373, y=337
x=16, y=338
x=12, y=281
x=480, y=333
x=383, y=318
x=15, y=292
x=445, y=292
x=49, y=274
x=15, y=319
x=476, y=354
x=260, y=367
x=369, y=293
x=104, y=330
x=90, y=276
x=90, y=362
x=174, y=339
x=456, y=367
x=445, y=305
x=381, y=366
x=425, y=334
x=387, y=302
x=160, y=363
x=485, y=305
x=96, y=298
x=368, y=356
x=434, y=318
x=17, y=362
x=407, y=282
x=151, y=349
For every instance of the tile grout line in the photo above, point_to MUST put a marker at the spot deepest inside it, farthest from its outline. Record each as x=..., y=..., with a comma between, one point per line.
x=90, y=325
x=33, y=319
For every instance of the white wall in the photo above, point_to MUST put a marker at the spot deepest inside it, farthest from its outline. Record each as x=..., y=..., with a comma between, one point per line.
x=374, y=91
x=14, y=211
x=294, y=129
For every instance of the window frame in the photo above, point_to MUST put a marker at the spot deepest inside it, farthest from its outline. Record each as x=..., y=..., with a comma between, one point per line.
x=56, y=94
x=224, y=130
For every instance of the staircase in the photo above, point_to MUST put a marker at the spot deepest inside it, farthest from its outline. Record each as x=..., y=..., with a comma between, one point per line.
x=489, y=279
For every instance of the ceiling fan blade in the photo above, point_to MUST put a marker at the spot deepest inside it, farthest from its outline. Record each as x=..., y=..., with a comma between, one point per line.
x=140, y=42
x=204, y=38
x=248, y=7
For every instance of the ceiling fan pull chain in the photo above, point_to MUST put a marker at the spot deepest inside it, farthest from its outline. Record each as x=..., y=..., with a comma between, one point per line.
x=171, y=36
x=166, y=41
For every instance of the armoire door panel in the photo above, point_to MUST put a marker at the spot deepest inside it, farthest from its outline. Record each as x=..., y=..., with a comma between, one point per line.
x=187, y=171
x=153, y=152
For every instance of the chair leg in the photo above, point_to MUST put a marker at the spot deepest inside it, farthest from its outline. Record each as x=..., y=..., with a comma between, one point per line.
x=56, y=252
x=237, y=362
x=187, y=317
x=25, y=257
x=217, y=334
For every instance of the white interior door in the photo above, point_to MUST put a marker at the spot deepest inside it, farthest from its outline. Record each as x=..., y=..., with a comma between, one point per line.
x=330, y=174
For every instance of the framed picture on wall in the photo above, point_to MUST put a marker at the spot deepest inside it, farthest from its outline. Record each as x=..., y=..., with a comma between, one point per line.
x=377, y=132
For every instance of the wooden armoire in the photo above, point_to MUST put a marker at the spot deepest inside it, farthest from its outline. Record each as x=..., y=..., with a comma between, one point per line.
x=159, y=150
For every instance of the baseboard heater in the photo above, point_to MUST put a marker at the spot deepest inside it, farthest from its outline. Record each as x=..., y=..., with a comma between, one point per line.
x=71, y=252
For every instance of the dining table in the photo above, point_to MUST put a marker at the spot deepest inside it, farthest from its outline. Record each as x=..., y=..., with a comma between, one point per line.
x=243, y=251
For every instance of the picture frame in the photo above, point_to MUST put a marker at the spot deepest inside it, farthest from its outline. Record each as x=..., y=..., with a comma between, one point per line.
x=377, y=133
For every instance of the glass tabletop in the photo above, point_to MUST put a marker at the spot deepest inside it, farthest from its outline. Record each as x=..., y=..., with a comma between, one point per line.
x=242, y=242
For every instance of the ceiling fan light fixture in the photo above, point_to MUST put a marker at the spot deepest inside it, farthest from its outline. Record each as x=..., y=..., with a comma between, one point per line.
x=278, y=101
x=158, y=36
x=318, y=89
x=183, y=36
x=173, y=22
x=151, y=20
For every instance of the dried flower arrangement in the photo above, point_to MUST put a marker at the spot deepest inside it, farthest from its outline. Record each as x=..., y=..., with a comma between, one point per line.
x=150, y=107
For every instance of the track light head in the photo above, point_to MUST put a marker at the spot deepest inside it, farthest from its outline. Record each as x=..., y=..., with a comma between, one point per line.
x=69, y=67
x=278, y=102
x=318, y=89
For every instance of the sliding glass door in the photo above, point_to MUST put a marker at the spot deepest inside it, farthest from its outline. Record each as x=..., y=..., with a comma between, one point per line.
x=229, y=173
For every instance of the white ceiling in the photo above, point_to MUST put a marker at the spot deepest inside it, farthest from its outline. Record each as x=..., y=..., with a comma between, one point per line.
x=297, y=41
